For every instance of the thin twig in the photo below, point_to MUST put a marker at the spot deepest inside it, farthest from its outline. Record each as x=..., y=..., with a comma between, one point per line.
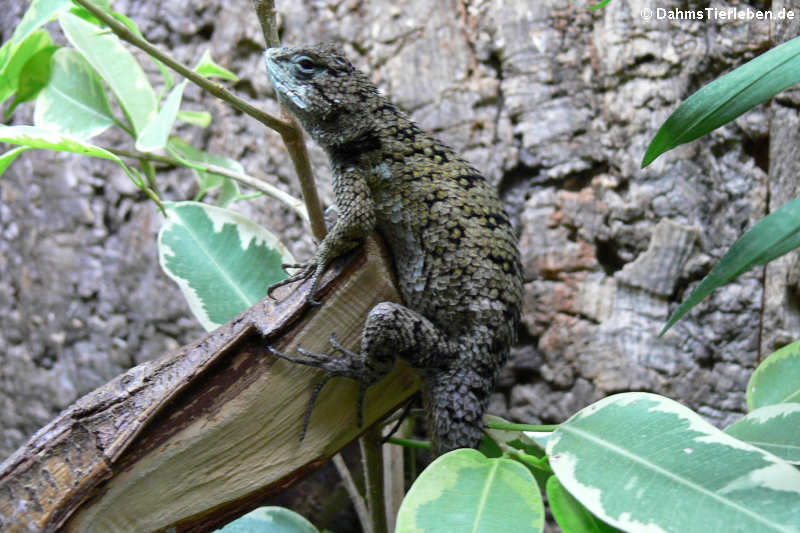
x=352, y=490
x=372, y=456
x=299, y=154
x=257, y=184
x=217, y=90
x=287, y=128
x=265, y=11
x=295, y=145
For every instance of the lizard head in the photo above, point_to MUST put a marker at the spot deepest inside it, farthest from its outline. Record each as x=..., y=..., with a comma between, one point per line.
x=323, y=90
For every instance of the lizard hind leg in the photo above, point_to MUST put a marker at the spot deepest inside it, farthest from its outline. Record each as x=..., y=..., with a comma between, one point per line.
x=348, y=365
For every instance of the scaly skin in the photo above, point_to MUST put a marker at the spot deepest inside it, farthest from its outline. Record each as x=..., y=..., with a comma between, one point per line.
x=454, y=249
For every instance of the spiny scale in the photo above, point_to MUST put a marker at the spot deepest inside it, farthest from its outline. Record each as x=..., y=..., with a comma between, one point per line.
x=453, y=246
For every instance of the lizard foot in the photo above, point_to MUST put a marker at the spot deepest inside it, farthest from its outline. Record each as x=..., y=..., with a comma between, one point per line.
x=349, y=365
x=306, y=270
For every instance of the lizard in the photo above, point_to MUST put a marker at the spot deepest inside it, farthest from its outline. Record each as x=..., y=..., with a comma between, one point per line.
x=453, y=246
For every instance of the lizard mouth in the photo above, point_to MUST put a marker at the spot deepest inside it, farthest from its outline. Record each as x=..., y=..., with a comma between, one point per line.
x=282, y=80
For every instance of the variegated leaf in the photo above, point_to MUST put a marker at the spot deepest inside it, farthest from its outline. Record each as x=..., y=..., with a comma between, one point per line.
x=270, y=520
x=775, y=428
x=777, y=378
x=222, y=261
x=465, y=491
x=645, y=463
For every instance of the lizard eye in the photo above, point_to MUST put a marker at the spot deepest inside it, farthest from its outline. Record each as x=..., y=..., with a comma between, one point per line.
x=305, y=66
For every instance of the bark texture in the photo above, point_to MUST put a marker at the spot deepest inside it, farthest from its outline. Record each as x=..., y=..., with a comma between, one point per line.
x=555, y=103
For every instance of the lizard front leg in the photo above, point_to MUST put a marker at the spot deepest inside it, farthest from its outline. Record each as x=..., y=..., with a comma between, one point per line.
x=356, y=220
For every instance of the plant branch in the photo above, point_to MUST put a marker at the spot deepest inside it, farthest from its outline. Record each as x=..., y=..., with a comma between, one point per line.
x=352, y=490
x=257, y=184
x=121, y=31
x=265, y=11
x=287, y=128
x=372, y=456
x=293, y=139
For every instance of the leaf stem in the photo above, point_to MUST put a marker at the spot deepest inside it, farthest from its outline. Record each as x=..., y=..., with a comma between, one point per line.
x=257, y=184
x=507, y=426
x=410, y=443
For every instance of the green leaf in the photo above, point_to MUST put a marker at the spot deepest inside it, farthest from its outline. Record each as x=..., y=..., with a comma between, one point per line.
x=120, y=70
x=208, y=68
x=20, y=55
x=207, y=181
x=465, y=491
x=770, y=237
x=229, y=193
x=166, y=74
x=34, y=77
x=154, y=136
x=570, y=514
x=774, y=428
x=35, y=137
x=198, y=118
x=8, y=157
x=40, y=12
x=777, y=379
x=529, y=452
x=727, y=97
x=270, y=520
x=75, y=102
x=642, y=462
x=222, y=261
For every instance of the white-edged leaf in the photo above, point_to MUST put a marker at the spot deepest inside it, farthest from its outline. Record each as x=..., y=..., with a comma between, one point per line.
x=777, y=378
x=116, y=65
x=222, y=261
x=166, y=74
x=642, y=462
x=208, y=68
x=774, y=428
x=154, y=136
x=570, y=514
x=8, y=157
x=270, y=520
x=75, y=102
x=465, y=491
x=36, y=137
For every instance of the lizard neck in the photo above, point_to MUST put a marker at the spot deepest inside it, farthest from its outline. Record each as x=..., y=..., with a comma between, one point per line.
x=349, y=153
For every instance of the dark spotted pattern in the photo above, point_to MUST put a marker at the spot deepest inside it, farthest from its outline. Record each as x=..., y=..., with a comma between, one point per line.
x=453, y=246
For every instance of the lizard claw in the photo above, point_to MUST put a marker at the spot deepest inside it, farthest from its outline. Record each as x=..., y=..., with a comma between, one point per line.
x=306, y=270
x=345, y=366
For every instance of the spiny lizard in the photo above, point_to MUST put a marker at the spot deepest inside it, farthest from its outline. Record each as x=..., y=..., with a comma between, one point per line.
x=453, y=246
